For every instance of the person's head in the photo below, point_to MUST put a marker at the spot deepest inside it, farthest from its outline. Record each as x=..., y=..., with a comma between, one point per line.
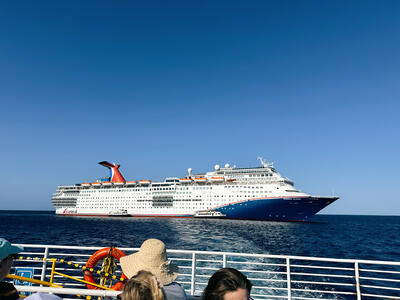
x=227, y=284
x=7, y=253
x=42, y=296
x=143, y=286
x=151, y=257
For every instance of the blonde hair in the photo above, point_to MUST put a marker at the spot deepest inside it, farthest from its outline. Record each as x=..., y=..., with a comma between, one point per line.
x=142, y=286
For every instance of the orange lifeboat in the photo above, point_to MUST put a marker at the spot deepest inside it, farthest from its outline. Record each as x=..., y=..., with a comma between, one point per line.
x=144, y=182
x=107, y=183
x=200, y=179
x=185, y=180
x=217, y=179
x=230, y=179
x=96, y=184
x=85, y=184
x=131, y=182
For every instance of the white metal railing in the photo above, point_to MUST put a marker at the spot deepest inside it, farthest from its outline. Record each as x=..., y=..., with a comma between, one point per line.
x=273, y=276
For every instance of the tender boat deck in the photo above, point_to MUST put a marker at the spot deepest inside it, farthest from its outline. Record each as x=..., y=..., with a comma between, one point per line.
x=273, y=276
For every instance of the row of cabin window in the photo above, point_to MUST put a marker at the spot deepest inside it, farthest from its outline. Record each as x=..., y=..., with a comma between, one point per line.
x=259, y=175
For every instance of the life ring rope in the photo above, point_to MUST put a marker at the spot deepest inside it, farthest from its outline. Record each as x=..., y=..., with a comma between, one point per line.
x=111, y=253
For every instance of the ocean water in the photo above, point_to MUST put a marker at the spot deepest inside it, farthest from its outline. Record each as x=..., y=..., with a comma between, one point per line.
x=334, y=236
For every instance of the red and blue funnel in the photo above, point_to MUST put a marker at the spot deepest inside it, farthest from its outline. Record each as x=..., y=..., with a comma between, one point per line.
x=115, y=175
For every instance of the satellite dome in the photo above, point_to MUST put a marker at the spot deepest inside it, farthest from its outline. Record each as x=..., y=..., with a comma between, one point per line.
x=216, y=167
x=227, y=166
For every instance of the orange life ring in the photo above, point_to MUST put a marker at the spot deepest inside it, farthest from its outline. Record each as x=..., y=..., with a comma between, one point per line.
x=92, y=261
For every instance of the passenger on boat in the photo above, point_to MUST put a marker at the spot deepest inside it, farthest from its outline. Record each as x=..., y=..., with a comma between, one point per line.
x=42, y=296
x=143, y=286
x=7, y=253
x=152, y=257
x=227, y=284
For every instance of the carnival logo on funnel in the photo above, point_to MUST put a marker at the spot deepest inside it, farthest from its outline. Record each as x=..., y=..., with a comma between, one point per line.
x=115, y=175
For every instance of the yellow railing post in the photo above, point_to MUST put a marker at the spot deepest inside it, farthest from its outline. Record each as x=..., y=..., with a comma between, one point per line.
x=53, y=267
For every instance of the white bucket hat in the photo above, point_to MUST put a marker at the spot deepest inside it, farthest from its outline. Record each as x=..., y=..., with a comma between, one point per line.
x=152, y=257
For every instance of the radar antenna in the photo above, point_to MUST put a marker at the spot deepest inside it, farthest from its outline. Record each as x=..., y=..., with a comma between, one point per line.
x=263, y=162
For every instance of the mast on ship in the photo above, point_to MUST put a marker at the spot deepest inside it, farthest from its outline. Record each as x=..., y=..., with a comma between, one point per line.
x=264, y=163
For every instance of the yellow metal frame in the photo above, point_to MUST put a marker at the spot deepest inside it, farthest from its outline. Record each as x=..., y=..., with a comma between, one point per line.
x=84, y=281
x=21, y=278
x=54, y=272
x=47, y=283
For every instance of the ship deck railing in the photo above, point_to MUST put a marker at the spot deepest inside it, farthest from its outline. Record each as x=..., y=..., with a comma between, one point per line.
x=272, y=276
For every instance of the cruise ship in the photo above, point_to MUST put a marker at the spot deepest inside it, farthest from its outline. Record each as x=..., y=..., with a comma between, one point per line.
x=254, y=193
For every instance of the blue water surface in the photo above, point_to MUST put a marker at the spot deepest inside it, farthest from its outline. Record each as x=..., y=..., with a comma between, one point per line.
x=335, y=236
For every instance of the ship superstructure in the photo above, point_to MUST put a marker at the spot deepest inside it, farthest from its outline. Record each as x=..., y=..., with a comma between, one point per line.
x=254, y=193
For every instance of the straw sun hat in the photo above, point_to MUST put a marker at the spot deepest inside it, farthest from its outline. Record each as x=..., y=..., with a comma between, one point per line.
x=152, y=257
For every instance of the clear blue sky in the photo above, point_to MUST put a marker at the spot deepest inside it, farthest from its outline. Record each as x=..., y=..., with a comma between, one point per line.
x=162, y=86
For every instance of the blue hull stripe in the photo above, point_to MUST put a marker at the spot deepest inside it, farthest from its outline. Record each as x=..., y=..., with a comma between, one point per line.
x=277, y=209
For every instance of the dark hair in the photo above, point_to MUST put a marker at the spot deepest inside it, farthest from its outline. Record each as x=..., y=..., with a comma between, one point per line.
x=223, y=281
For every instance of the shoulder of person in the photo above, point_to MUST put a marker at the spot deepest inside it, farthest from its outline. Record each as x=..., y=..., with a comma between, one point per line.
x=42, y=296
x=8, y=291
x=174, y=284
x=174, y=291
